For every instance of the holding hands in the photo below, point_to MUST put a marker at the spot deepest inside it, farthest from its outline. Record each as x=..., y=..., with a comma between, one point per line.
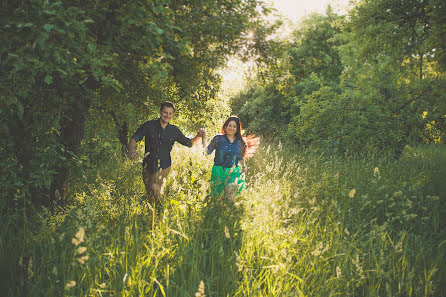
x=201, y=132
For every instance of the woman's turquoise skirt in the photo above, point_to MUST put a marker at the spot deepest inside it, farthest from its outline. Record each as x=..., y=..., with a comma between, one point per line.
x=223, y=176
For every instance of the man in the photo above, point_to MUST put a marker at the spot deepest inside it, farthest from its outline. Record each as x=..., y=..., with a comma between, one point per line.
x=159, y=138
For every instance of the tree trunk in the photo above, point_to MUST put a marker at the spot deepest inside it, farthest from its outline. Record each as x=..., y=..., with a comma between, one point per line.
x=122, y=132
x=72, y=132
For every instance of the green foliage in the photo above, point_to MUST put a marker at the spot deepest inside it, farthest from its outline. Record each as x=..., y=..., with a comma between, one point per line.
x=314, y=47
x=64, y=61
x=372, y=81
x=262, y=109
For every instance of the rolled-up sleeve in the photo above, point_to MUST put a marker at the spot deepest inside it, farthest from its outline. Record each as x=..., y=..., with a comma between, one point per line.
x=139, y=134
x=186, y=141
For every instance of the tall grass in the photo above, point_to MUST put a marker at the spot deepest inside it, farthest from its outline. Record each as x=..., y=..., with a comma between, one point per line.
x=308, y=224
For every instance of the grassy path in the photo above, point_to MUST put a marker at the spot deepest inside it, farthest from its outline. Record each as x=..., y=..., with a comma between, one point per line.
x=307, y=225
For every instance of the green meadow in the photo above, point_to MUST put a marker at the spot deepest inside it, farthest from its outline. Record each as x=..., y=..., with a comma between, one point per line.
x=308, y=224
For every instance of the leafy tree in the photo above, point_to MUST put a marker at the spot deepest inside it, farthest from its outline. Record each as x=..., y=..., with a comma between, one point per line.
x=390, y=65
x=311, y=61
x=261, y=110
x=314, y=49
x=60, y=59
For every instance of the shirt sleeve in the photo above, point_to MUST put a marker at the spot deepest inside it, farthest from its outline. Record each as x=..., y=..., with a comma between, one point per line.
x=212, y=145
x=140, y=133
x=186, y=141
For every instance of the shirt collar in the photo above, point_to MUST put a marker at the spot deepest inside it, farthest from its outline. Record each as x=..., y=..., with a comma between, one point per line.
x=158, y=124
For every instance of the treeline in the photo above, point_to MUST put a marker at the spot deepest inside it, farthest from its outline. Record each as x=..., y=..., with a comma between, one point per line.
x=372, y=80
x=65, y=63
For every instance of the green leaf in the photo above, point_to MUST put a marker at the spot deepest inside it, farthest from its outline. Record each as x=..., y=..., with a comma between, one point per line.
x=91, y=48
x=20, y=108
x=48, y=27
x=48, y=79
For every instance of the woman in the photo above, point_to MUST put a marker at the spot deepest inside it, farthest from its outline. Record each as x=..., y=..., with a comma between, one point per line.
x=231, y=149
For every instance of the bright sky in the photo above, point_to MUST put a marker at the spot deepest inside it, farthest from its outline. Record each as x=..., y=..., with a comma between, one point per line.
x=294, y=10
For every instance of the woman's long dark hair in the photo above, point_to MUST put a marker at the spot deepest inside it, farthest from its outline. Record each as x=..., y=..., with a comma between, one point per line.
x=250, y=143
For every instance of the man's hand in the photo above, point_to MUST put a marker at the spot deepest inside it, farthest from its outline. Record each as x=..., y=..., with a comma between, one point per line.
x=133, y=155
x=201, y=132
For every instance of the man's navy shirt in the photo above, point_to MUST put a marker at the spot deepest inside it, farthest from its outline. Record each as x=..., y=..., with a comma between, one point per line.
x=158, y=143
x=227, y=154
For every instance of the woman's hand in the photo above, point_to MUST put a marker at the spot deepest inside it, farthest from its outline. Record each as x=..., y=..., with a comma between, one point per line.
x=201, y=132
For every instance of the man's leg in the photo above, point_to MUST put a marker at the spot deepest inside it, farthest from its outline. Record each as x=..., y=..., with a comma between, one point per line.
x=154, y=182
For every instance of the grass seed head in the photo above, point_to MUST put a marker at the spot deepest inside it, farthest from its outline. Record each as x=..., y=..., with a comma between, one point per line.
x=70, y=285
x=200, y=292
x=352, y=193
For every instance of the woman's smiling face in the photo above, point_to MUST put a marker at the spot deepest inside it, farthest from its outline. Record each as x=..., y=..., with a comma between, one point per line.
x=231, y=128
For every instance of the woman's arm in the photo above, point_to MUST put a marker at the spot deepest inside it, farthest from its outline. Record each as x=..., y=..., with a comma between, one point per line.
x=244, y=168
x=212, y=145
x=203, y=141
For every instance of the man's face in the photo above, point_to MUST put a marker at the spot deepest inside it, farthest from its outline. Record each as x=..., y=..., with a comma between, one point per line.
x=166, y=114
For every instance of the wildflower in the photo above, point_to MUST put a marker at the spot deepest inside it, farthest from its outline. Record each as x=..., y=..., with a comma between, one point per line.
x=238, y=262
x=376, y=171
x=398, y=194
x=200, y=292
x=326, y=248
x=352, y=193
x=81, y=250
x=346, y=232
x=79, y=237
x=399, y=247
x=227, y=232
x=338, y=272
x=70, y=285
x=318, y=251
x=82, y=259
x=30, y=268
x=359, y=269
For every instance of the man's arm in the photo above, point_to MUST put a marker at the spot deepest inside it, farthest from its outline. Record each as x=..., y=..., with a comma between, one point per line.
x=200, y=134
x=138, y=136
x=132, y=154
x=189, y=141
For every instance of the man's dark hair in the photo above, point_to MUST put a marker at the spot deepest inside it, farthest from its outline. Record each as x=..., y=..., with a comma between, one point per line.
x=167, y=104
